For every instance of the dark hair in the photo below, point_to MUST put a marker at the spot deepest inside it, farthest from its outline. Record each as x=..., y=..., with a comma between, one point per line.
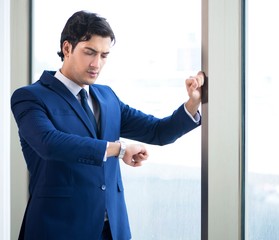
x=81, y=26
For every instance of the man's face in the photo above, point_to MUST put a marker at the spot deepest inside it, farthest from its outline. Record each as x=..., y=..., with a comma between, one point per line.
x=84, y=64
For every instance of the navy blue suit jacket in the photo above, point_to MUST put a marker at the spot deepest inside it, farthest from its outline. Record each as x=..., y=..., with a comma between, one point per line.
x=71, y=186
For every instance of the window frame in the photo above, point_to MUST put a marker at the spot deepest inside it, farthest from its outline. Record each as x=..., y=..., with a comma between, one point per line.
x=223, y=136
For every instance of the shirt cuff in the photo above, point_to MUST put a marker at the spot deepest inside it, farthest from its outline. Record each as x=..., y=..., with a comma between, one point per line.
x=196, y=118
x=105, y=156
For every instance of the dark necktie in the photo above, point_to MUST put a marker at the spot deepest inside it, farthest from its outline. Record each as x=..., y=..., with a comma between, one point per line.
x=87, y=109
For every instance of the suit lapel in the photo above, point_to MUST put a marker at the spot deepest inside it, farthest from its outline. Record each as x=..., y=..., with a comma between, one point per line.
x=55, y=85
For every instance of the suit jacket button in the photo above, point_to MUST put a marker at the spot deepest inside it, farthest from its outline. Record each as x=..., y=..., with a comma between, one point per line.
x=103, y=187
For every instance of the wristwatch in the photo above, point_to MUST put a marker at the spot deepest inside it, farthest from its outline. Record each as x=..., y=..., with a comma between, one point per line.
x=122, y=149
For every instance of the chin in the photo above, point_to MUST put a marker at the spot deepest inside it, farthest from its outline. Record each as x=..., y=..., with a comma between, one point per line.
x=90, y=81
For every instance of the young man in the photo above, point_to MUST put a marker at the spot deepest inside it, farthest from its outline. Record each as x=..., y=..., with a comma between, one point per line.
x=73, y=153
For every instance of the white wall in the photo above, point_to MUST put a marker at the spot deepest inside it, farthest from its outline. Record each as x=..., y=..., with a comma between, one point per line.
x=5, y=119
x=19, y=77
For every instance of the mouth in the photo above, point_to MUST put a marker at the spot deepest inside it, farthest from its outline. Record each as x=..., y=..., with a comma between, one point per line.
x=93, y=74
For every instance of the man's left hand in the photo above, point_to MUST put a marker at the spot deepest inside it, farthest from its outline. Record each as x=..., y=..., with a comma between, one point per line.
x=193, y=86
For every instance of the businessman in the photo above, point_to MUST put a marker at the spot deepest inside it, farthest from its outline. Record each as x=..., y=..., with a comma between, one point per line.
x=69, y=129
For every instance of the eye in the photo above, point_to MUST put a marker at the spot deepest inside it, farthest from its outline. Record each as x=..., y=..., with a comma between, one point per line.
x=89, y=52
x=104, y=55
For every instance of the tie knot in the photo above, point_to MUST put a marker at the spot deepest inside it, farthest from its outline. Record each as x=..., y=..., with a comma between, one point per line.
x=83, y=93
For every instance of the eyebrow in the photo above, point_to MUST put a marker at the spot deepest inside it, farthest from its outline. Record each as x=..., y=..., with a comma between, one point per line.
x=93, y=50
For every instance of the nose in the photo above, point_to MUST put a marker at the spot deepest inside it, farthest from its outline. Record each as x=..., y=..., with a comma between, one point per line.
x=96, y=62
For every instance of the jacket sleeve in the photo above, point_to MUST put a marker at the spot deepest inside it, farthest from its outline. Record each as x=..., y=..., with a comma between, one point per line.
x=37, y=131
x=146, y=128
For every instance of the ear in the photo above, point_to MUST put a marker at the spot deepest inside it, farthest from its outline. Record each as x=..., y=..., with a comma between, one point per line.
x=67, y=48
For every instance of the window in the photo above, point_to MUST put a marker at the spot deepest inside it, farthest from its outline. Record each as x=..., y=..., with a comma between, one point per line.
x=157, y=47
x=262, y=179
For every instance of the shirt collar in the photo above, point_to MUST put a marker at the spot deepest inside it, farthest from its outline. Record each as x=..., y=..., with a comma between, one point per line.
x=72, y=86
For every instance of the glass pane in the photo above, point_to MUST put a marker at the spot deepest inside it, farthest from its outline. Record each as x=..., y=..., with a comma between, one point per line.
x=157, y=47
x=262, y=180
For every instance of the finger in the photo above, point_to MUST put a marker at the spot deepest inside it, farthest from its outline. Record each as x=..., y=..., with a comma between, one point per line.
x=143, y=156
x=201, y=77
x=192, y=83
x=136, y=164
x=197, y=81
x=189, y=82
x=139, y=157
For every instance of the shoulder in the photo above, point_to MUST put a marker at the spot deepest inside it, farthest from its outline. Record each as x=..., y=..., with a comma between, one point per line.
x=25, y=90
x=101, y=87
x=103, y=90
